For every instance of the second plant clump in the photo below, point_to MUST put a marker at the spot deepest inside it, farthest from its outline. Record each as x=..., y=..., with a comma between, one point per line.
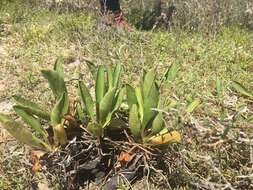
x=141, y=120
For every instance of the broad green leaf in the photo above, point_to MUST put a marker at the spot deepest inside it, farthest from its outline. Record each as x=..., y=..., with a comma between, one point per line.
x=95, y=129
x=158, y=124
x=241, y=89
x=59, y=110
x=56, y=82
x=110, y=78
x=150, y=102
x=92, y=67
x=172, y=71
x=32, y=107
x=19, y=132
x=87, y=100
x=30, y=120
x=119, y=99
x=116, y=75
x=58, y=67
x=193, y=105
x=135, y=123
x=100, y=84
x=106, y=105
x=148, y=83
x=170, y=137
x=107, y=119
x=139, y=98
x=131, y=97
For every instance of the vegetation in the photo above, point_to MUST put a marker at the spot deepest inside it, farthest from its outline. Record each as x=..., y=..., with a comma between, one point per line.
x=209, y=102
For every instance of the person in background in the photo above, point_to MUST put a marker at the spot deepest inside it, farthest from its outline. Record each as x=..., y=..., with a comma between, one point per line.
x=113, y=7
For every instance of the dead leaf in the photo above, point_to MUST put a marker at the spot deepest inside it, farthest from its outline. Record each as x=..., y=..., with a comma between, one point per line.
x=35, y=160
x=170, y=137
x=36, y=167
x=125, y=157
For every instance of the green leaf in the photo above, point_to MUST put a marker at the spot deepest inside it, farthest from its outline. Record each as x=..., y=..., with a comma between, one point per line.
x=107, y=119
x=116, y=75
x=131, y=97
x=56, y=82
x=92, y=67
x=58, y=67
x=110, y=78
x=87, y=99
x=100, y=84
x=158, y=124
x=119, y=99
x=193, y=105
x=106, y=105
x=19, y=132
x=139, y=98
x=95, y=129
x=172, y=71
x=59, y=110
x=148, y=83
x=32, y=107
x=151, y=101
x=241, y=89
x=134, y=122
x=30, y=120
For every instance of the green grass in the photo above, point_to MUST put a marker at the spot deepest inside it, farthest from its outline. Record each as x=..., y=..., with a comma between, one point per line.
x=35, y=37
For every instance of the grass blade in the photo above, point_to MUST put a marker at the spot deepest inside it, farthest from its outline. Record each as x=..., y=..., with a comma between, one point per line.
x=241, y=89
x=193, y=105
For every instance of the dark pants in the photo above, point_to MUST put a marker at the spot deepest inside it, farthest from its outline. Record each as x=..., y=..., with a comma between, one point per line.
x=110, y=5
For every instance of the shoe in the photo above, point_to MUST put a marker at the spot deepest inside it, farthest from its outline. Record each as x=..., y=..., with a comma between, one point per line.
x=121, y=22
